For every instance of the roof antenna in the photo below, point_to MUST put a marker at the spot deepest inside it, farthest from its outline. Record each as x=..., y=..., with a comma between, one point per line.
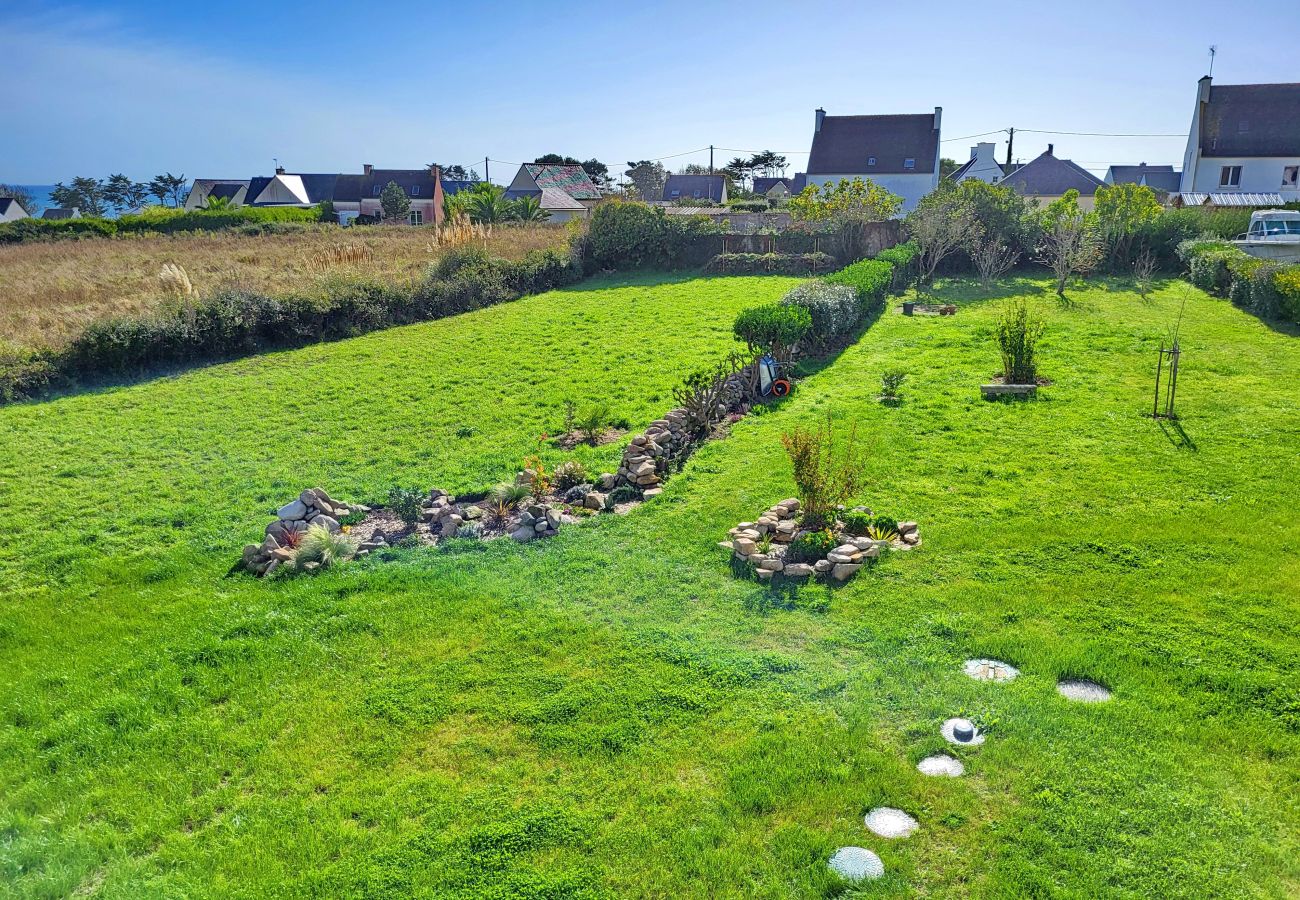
x=1213, y=50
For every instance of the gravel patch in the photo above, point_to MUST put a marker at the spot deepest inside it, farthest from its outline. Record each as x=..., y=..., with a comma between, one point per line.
x=856, y=864
x=941, y=764
x=953, y=730
x=990, y=670
x=1083, y=691
x=890, y=823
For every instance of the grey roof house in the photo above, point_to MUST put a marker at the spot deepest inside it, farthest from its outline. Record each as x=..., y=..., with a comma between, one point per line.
x=11, y=210
x=1244, y=139
x=697, y=187
x=898, y=152
x=777, y=188
x=1047, y=178
x=232, y=189
x=55, y=212
x=1159, y=178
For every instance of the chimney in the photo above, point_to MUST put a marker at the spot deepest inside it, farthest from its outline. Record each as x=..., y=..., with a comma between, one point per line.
x=1203, y=89
x=279, y=170
x=975, y=152
x=1050, y=147
x=938, y=117
x=433, y=171
x=821, y=114
x=367, y=169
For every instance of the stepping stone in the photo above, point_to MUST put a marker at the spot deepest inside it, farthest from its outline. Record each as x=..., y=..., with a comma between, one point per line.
x=1082, y=690
x=890, y=823
x=961, y=732
x=856, y=864
x=941, y=764
x=991, y=670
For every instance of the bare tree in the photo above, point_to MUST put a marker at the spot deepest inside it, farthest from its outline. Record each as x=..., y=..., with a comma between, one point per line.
x=1070, y=246
x=941, y=225
x=993, y=259
x=1144, y=268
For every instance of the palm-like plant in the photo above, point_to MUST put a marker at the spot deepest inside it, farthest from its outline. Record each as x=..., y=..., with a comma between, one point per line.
x=216, y=203
x=528, y=209
x=487, y=204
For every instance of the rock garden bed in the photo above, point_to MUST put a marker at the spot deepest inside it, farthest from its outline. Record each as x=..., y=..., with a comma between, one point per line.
x=777, y=544
x=929, y=309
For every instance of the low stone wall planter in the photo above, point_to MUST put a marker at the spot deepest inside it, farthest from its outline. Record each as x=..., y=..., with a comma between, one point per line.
x=993, y=391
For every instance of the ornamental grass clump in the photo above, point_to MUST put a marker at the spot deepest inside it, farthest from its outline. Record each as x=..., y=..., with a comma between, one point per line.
x=321, y=546
x=827, y=471
x=1018, y=332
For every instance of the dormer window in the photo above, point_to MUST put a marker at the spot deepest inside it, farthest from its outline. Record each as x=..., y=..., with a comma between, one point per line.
x=415, y=190
x=871, y=160
x=378, y=190
x=909, y=163
x=1243, y=126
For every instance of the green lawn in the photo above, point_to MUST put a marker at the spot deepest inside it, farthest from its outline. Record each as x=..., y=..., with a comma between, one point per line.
x=610, y=713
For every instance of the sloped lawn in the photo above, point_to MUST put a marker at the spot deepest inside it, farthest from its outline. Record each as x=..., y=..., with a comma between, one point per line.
x=610, y=713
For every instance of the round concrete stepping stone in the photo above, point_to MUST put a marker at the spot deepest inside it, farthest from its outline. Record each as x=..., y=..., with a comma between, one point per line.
x=941, y=764
x=1082, y=690
x=962, y=732
x=856, y=864
x=990, y=670
x=890, y=823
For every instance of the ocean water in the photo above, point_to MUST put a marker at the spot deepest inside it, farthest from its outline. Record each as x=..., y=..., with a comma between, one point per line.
x=41, y=194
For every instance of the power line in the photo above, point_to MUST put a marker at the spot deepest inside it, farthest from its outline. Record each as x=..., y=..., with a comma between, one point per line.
x=981, y=134
x=1097, y=133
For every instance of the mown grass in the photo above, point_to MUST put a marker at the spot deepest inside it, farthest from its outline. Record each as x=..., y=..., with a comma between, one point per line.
x=53, y=289
x=610, y=713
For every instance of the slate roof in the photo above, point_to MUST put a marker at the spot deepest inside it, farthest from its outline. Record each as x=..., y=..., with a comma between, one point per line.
x=554, y=198
x=573, y=180
x=416, y=183
x=6, y=202
x=763, y=183
x=845, y=145
x=1158, y=178
x=226, y=189
x=1251, y=120
x=1047, y=176
x=704, y=187
x=319, y=187
x=450, y=187
x=60, y=213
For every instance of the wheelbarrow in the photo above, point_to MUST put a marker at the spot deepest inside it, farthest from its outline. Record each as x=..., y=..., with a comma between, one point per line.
x=772, y=380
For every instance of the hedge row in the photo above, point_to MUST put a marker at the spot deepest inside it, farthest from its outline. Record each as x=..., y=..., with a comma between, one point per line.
x=1268, y=289
x=238, y=322
x=770, y=264
x=158, y=220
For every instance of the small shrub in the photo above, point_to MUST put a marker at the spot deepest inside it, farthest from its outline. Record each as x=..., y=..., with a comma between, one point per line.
x=857, y=522
x=1018, y=333
x=886, y=523
x=592, y=422
x=1144, y=268
x=825, y=472
x=496, y=510
x=1287, y=285
x=406, y=503
x=810, y=547
x=703, y=394
x=569, y=473
x=540, y=485
x=470, y=531
x=834, y=308
x=773, y=328
x=624, y=493
x=510, y=494
x=320, y=545
x=878, y=532
x=890, y=382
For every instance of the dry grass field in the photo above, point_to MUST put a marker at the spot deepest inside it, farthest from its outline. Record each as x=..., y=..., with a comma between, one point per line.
x=50, y=291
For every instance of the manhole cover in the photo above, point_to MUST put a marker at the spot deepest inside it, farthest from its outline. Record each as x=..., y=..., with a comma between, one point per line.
x=1082, y=690
x=890, y=823
x=990, y=670
x=856, y=864
x=961, y=731
x=941, y=764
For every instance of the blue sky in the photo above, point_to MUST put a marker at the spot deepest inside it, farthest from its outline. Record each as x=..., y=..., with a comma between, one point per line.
x=219, y=89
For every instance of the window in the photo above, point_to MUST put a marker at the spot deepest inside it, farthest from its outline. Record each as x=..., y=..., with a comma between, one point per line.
x=1230, y=176
x=909, y=163
x=378, y=190
x=871, y=160
x=1290, y=176
x=417, y=217
x=676, y=193
x=1243, y=126
x=415, y=190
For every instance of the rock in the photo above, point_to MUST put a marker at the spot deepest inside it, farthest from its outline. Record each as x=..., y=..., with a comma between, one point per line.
x=844, y=571
x=524, y=534
x=651, y=493
x=744, y=546
x=524, y=477
x=295, y=510
x=607, y=482
x=436, y=493
x=905, y=528
x=472, y=512
x=282, y=554
x=272, y=566
x=797, y=570
x=774, y=565
x=871, y=552
x=912, y=538
x=309, y=497
x=822, y=566
x=726, y=545
x=541, y=525
x=594, y=500
x=278, y=530
x=251, y=552
x=764, y=574
x=790, y=504
x=327, y=522
x=449, y=526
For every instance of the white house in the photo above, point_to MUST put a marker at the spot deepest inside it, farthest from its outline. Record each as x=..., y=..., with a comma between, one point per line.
x=982, y=165
x=1244, y=139
x=566, y=192
x=233, y=190
x=11, y=210
x=900, y=153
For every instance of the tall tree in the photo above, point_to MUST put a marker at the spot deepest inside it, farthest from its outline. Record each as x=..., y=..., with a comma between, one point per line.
x=598, y=172
x=24, y=197
x=394, y=202
x=169, y=187
x=648, y=177
x=1122, y=211
x=739, y=169
x=125, y=194
x=947, y=166
x=84, y=193
x=1071, y=242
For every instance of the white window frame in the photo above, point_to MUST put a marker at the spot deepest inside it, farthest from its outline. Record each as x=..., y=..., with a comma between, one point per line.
x=415, y=190
x=1229, y=176
x=871, y=160
x=909, y=163
x=416, y=217
x=1294, y=180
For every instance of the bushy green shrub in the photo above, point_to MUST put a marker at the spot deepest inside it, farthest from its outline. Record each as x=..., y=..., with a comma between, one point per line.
x=569, y=473
x=1018, y=333
x=1209, y=269
x=834, y=308
x=406, y=503
x=166, y=220
x=625, y=235
x=772, y=328
x=1287, y=285
x=870, y=279
x=856, y=522
x=32, y=229
x=324, y=547
x=748, y=205
x=624, y=493
x=810, y=547
x=770, y=263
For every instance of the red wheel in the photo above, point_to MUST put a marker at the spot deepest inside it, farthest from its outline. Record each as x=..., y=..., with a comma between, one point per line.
x=780, y=387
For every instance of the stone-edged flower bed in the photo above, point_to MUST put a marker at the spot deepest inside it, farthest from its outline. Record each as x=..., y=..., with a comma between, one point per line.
x=768, y=545
x=283, y=536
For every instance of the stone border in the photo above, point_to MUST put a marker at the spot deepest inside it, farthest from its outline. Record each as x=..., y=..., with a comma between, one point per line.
x=313, y=507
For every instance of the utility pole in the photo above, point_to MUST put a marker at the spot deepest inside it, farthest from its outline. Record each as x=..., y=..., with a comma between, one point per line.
x=487, y=172
x=1011, y=140
x=710, y=159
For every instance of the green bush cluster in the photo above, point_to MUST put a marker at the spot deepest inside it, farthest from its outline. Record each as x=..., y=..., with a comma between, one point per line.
x=1266, y=288
x=161, y=220
x=834, y=308
x=236, y=322
x=624, y=235
x=810, y=547
x=770, y=264
x=772, y=328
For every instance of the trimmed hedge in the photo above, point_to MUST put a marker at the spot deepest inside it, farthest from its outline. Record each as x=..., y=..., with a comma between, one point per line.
x=834, y=307
x=772, y=328
x=770, y=263
x=159, y=220
x=1264, y=287
x=237, y=322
